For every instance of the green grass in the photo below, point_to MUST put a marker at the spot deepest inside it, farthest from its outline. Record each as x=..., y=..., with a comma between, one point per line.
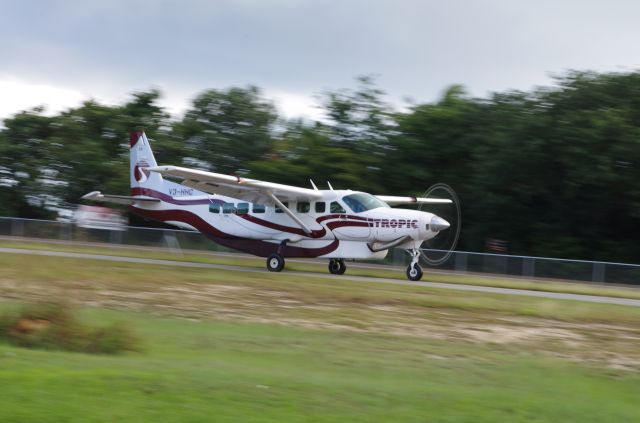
x=252, y=262
x=234, y=346
x=138, y=285
x=221, y=371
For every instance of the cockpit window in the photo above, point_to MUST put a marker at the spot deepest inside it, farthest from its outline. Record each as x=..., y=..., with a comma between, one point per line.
x=361, y=202
x=335, y=207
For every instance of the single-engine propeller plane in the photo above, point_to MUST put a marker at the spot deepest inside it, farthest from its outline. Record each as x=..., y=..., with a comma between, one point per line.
x=276, y=221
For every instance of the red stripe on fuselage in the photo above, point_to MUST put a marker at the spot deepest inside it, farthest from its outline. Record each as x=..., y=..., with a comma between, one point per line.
x=314, y=233
x=341, y=216
x=268, y=224
x=343, y=224
x=252, y=246
x=346, y=220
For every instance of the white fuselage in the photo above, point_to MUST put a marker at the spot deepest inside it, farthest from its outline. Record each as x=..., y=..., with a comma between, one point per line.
x=336, y=230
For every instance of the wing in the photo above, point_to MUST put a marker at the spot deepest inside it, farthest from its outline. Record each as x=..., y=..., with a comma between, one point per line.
x=118, y=199
x=393, y=200
x=250, y=190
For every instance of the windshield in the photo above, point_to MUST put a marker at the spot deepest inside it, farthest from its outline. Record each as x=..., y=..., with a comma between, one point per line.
x=362, y=202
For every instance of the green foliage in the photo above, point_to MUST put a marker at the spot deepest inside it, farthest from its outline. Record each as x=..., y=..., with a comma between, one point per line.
x=224, y=130
x=304, y=153
x=51, y=162
x=552, y=172
x=53, y=325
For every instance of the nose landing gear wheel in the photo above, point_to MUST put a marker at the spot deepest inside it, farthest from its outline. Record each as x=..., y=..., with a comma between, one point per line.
x=337, y=266
x=414, y=273
x=275, y=262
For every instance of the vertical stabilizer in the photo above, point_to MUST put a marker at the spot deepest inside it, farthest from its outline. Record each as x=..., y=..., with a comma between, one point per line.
x=142, y=158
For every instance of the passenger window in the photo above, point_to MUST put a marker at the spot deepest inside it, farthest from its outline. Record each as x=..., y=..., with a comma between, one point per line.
x=284, y=203
x=243, y=208
x=258, y=208
x=336, y=208
x=321, y=206
x=303, y=206
x=228, y=208
x=214, y=207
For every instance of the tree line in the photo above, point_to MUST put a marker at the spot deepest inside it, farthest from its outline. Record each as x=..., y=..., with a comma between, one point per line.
x=553, y=171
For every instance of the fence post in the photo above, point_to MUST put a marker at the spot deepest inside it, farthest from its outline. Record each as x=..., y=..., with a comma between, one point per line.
x=398, y=259
x=529, y=267
x=17, y=227
x=505, y=265
x=115, y=237
x=598, y=272
x=172, y=242
x=461, y=262
x=65, y=231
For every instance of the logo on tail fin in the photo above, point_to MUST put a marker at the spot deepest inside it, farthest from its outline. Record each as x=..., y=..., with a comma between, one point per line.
x=140, y=172
x=134, y=137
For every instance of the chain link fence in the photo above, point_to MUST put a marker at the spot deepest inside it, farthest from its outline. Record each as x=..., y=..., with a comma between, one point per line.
x=459, y=261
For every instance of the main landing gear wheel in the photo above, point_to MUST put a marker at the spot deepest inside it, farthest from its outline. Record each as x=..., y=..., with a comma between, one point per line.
x=337, y=266
x=275, y=262
x=414, y=273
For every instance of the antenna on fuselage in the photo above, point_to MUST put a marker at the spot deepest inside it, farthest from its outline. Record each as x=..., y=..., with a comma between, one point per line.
x=330, y=187
x=313, y=185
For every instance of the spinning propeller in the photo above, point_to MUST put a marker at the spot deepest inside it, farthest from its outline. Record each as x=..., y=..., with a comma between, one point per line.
x=438, y=249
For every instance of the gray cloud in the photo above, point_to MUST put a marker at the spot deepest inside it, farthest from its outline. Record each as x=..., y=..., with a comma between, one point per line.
x=416, y=47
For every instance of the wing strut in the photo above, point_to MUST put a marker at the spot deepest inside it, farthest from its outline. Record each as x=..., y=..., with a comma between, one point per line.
x=290, y=213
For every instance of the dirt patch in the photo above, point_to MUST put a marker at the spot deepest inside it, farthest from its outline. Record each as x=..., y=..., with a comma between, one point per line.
x=615, y=346
x=496, y=334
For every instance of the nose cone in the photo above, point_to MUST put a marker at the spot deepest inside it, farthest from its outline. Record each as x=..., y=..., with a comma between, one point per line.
x=438, y=224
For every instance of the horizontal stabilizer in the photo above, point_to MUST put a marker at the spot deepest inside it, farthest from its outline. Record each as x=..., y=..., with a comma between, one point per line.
x=393, y=200
x=118, y=199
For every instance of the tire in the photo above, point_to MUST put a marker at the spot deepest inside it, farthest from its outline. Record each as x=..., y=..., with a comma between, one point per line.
x=275, y=263
x=337, y=266
x=414, y=273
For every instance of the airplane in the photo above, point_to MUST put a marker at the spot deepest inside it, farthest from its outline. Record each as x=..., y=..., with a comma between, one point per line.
x=277, y=221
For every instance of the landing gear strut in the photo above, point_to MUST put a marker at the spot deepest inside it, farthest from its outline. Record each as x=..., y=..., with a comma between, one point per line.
x=337, y=266
x=414, y=271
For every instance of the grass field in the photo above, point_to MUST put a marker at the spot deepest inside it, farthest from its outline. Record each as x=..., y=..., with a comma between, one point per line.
x=321, y=266
x=213, y=371
x=237, y=346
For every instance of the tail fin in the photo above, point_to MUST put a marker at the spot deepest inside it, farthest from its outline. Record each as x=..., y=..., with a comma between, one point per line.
x=142, y=158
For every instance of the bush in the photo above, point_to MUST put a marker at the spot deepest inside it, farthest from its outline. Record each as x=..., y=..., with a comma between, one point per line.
x=112, y=340
x=52, y=325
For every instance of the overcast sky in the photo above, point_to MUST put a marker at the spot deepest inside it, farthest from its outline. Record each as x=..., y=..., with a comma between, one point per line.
x=58, y=53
